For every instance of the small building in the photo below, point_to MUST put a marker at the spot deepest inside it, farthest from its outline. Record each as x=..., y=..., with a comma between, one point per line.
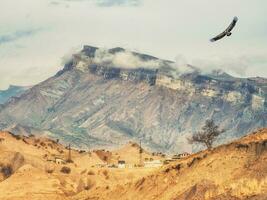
x=181, y=155
x=59, y=161
x=153, y=164
x=55, y=159
x=121, y=164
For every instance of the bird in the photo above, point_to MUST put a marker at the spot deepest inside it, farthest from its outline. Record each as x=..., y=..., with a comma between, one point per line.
x=227, y=32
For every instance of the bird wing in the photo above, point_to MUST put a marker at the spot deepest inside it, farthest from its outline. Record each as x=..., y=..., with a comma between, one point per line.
x=218, y=37
x=232, y=25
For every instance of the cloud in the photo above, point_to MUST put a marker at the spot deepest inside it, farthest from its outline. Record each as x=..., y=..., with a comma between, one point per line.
x=241, y=66
x=102, y=3
x=11, y=37
x=181, y=65
x=109, y=3
x=124, y=59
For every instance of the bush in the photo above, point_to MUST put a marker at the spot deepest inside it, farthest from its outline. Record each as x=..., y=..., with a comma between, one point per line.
x=90, y=184
x=25, y=141
x=49, y=171
x=105, y=172
x=7, y=171
x=65, y=170
x=69, y=161
x=42, y=144
x=18, y=137
x=91, y=173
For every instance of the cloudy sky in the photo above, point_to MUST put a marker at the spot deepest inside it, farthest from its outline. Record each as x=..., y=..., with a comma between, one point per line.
x=36, y=34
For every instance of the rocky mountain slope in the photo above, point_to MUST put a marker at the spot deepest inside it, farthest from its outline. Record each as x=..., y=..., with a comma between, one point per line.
x=103, y=98
x=236, y=171
x=12, y=91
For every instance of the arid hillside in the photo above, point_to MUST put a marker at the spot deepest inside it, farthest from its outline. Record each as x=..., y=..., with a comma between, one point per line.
x=235, y=171
x=39, y=168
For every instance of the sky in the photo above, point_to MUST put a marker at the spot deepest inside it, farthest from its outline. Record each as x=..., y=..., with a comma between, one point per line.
x=35, y=35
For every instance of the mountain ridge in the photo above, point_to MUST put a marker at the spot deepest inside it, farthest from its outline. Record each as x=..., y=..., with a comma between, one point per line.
x=93, y=102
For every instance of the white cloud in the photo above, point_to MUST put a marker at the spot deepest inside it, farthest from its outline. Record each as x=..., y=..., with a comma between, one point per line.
x=160, y=28
x=100, y=3
x=125, y=59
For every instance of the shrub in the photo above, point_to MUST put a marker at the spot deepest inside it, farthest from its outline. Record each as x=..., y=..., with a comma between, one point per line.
x=60, y=150
x=105, y=172
x=50, y=145
x=91, y=173
x=18, y=137
x=49, y=171
x=69, y=161
x=89, y=184
x=36, y=140
x=7, y=171
x=42, y=144
x=25, y=141
x=65, y=170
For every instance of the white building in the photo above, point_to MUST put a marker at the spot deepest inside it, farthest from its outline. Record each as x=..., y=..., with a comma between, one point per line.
x=153, y=164
x=121, y=164
x=60, y=161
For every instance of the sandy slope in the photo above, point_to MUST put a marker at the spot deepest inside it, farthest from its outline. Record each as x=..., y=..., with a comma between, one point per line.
x=27, y=156
x=234, y=171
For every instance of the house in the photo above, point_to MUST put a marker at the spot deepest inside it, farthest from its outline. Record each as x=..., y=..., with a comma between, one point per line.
x=59, y=161
x=55, y=159
x=121, y=164
x=153, y=164
x=181, y=155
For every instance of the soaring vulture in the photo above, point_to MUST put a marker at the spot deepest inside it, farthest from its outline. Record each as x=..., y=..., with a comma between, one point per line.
x=227, y=32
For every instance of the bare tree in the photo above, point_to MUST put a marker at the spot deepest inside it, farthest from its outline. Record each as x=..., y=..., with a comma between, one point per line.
x=210, y=132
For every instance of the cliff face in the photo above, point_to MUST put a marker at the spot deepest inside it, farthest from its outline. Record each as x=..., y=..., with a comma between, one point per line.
x=12, y=91
x=96, y=102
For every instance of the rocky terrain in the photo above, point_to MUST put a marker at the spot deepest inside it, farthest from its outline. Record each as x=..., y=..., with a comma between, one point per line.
x=103, y=98
x=12, y=91
x=35, y=168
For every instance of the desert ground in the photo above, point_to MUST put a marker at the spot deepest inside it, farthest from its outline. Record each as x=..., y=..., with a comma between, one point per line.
x=38, y=168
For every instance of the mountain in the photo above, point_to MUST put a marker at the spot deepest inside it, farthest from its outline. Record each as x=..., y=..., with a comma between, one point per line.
x=103, y=98
x=12, y=91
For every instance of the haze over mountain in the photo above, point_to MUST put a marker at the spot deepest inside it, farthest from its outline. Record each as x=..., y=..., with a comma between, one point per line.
x=103, y=98
x=12, y=91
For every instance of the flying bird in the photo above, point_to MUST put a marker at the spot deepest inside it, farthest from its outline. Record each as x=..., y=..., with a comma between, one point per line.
x=227, y=32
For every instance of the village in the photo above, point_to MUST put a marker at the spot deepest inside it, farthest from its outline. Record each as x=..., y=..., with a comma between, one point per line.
x=116, y=159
